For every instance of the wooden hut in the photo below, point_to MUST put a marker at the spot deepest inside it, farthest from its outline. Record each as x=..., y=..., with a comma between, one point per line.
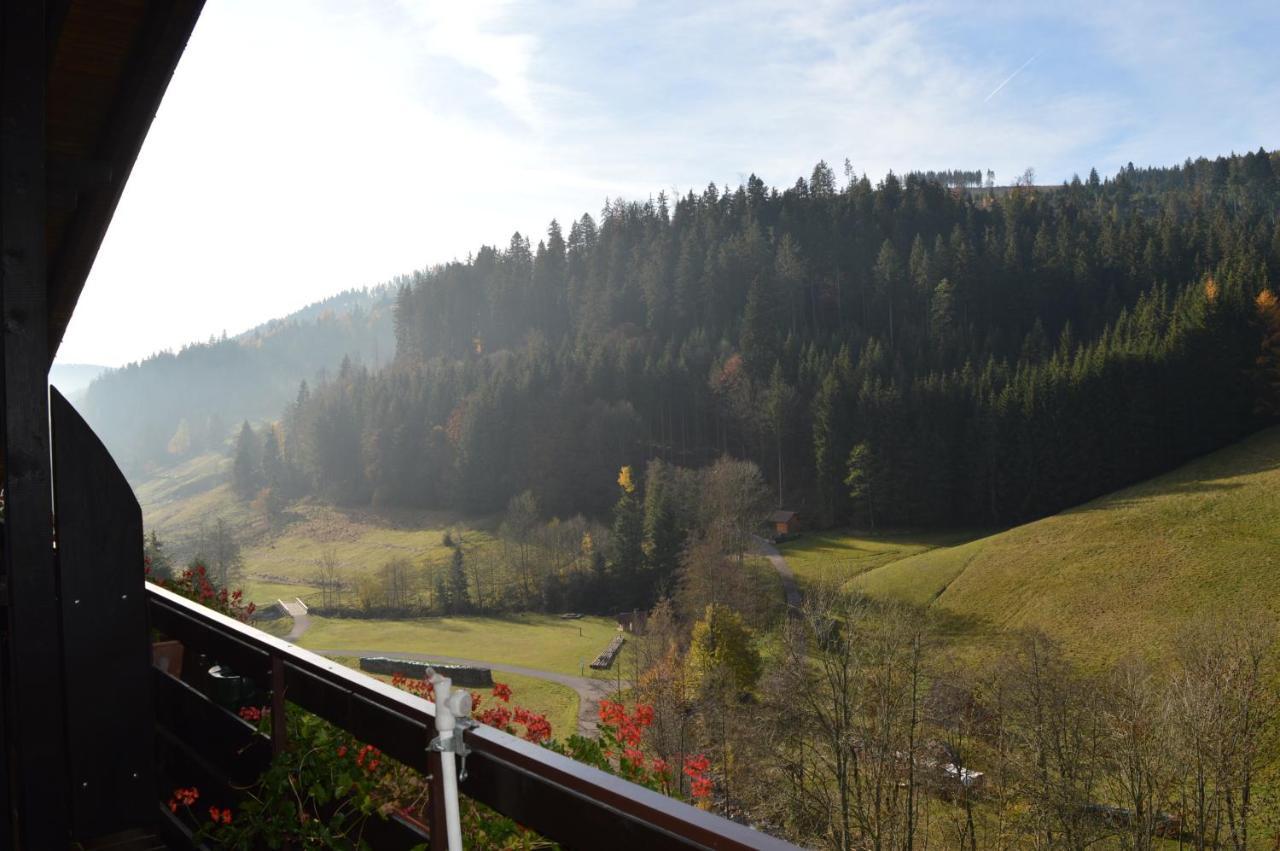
x=633, y=622
x=784, y=522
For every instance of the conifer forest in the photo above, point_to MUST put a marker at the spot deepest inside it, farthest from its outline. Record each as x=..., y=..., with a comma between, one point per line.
x=915, y=352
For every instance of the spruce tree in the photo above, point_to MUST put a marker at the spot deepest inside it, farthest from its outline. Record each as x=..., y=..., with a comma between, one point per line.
x=827, y=458
x=889, y=274
x=459, y=591
x=859, y=478
x=272, y=463
x=779, y=400
x=244, y=465
x=444, y=604
x=156, y=558
x=759, y=341
x=664, y=533
x=626, y=543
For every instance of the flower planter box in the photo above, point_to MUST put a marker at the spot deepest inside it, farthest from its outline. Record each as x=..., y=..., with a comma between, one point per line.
x=167, y=656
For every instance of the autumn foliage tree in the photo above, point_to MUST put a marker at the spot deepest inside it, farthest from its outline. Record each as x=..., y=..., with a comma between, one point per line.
x=1268, y=362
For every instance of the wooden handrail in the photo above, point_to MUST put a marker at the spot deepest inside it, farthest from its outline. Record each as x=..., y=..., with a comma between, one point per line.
x=569, y=802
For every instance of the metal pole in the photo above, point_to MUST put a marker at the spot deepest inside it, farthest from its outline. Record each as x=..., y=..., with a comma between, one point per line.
x=451, y=707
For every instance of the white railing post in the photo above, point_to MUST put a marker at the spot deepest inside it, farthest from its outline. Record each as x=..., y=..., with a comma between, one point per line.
x=451, y=706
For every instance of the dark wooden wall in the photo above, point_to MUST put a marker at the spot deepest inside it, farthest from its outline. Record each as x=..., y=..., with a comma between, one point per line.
x=110, y=716
x=35, y=749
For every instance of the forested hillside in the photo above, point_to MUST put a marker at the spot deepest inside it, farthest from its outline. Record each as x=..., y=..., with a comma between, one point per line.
x=898, y=354
x=173, y=405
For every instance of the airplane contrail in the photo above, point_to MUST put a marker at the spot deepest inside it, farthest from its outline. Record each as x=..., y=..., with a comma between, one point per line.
x=1021, y=67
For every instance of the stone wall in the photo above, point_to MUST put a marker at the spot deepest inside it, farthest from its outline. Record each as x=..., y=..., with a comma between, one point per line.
x=461, y=675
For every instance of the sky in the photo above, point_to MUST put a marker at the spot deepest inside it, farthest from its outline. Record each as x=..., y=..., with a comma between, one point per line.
x=305, y=147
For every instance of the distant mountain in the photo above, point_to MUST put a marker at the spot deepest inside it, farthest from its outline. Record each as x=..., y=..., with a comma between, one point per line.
x=170, y=406
x=345, y=302
x=73, y=378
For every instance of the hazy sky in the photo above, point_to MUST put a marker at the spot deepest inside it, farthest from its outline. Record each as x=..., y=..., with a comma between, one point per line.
x=308, y=147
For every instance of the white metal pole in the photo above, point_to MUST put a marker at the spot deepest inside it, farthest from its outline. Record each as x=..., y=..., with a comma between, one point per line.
x=447, y=708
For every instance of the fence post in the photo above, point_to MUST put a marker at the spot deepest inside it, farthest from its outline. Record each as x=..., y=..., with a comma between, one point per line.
x=279, y=730
x=435, y=802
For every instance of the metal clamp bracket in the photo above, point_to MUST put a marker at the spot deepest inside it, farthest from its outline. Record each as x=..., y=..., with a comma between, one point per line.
x=455, y=744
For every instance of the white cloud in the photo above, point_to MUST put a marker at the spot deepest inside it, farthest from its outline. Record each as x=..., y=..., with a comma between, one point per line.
x=473, y=34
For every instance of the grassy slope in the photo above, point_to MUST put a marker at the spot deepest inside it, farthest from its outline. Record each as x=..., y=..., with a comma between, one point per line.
x=1123, y=573
x=841, y=555
x=175, y=501
x=362, y=541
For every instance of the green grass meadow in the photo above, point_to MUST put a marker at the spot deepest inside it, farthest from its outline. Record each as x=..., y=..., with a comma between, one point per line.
x=840, y=555
x=543, y=642
x=1125, y=573
x=558, y=703
x=264, y=593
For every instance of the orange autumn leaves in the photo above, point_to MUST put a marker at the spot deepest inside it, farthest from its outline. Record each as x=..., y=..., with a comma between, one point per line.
x=1267, y=308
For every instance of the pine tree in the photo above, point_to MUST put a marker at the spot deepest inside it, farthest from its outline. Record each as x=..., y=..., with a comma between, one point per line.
x=828, y=458
x=443, y=601
x=779, y=401
x=790, y=271
x=156, y=558
x=822, y=184
x=889, y=275
x=459, y=592
x=272, y=463
x=663, y=533
x=942, y=312
x=759, y=342
x=626, y=542
x=244, y=466
x=859, y=479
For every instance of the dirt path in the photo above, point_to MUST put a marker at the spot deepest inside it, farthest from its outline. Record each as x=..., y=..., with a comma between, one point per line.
x=301, y=620
x=590, y=691
x=789, y=586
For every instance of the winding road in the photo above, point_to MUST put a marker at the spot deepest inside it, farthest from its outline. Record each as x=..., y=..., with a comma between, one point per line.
x=789, y=586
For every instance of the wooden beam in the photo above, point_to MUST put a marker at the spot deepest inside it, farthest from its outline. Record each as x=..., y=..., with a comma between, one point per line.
x=33, y=690
x=164, y=37
x=54, y=18
x=65, y=180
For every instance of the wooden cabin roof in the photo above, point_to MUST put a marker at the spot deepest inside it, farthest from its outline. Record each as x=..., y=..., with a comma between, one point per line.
x=110, y=62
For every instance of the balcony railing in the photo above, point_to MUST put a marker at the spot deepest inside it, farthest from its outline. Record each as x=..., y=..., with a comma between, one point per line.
x=573, y=804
